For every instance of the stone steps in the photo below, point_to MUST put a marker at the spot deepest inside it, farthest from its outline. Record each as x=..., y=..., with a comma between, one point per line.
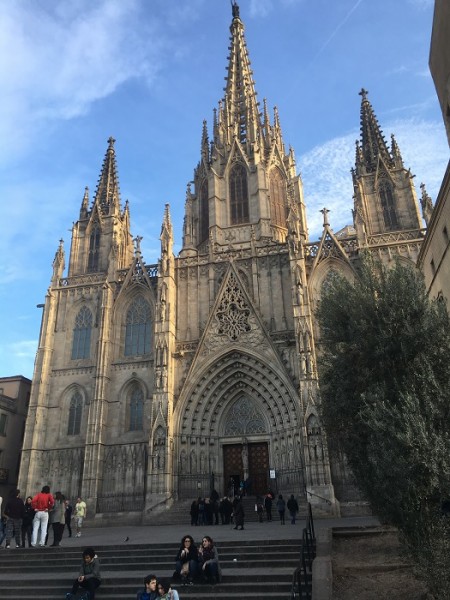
x=48, y=572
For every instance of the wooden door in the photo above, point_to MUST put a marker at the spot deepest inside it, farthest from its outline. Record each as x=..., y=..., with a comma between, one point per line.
x=258, y=466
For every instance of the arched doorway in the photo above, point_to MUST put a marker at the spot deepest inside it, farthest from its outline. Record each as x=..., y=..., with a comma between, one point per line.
x=247, y=462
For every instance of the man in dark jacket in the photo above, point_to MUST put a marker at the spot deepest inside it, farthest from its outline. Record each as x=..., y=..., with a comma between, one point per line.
x=14, y=511
x=292, y=506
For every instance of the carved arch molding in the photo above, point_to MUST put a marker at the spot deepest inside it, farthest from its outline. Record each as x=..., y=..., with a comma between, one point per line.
x=237, y=384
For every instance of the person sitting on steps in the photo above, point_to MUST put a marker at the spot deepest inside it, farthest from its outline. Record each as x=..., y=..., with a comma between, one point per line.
x=186, y=561
x=150, y=591
x=208, y=559
x=89, y=577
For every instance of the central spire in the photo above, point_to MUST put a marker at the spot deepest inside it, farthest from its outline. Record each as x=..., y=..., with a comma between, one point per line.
x=107, y=195
x=240, y=107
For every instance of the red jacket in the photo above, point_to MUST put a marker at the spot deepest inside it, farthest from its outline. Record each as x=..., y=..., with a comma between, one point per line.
x=43, y=502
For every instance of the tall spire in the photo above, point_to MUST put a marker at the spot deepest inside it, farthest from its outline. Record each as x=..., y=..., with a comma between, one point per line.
x=107, y=195
x=373, y=144
x=241, y=113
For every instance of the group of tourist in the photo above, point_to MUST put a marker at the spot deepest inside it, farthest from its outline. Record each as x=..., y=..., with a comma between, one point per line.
x=191, y=564
x=206, y=511
x=29, y=521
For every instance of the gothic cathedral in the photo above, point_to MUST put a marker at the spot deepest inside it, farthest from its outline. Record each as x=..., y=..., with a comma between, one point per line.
x=160, y=382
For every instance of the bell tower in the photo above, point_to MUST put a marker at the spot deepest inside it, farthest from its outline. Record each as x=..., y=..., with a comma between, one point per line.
x=101, y=237
x=385, y=201
x=245, y=182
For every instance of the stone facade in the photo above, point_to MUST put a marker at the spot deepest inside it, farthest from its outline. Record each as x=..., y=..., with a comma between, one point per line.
x=155, y=382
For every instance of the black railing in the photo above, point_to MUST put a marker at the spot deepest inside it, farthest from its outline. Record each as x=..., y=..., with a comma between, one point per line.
x=302, y=577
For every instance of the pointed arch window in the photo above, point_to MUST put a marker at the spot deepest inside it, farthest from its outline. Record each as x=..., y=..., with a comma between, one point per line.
x=138, y=328
x=136, y=409
x=204, y=212
x=277, y=191
x=94, y=249
x=81, y=344
x=75, y=413
x=238, y=195
x=388, y=206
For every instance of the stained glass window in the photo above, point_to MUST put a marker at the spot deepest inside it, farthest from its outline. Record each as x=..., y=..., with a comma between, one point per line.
x=138, y=328
x=81, y=345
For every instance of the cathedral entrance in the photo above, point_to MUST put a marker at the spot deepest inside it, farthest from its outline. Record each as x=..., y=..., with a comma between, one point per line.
x=247, y=462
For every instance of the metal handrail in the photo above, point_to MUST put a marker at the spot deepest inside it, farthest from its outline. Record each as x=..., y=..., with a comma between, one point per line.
x=302, y=576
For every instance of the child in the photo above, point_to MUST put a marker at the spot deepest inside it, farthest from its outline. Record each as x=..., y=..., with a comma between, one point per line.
x=89, y=577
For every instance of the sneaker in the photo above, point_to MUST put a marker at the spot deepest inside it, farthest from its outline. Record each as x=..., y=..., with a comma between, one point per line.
x=69, y=596
x=7, y=546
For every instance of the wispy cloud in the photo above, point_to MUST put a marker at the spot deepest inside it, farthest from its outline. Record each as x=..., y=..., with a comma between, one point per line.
x=326, y=169
x=57, y=59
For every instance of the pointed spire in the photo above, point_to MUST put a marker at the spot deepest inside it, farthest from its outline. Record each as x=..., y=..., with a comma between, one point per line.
x=372, y=140
x=58, y=262
x=107, y=195
x=205, y=143
x=84, y=210
x=395, y=151
x=166, y=238
x=427, y=204
x=243, y=120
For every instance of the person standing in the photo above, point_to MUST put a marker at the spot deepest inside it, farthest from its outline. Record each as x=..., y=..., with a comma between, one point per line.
x=268, y=506
x=281, y=508
x=68, y=516
x=292, y=506
x=42, y=504
x=80, y=514
x=27, y=522
x=58, y=518
x=2, y=524
x=238, y=513
x=14, y=511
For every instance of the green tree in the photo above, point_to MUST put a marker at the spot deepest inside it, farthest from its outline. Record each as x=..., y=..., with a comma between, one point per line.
x=385, y=379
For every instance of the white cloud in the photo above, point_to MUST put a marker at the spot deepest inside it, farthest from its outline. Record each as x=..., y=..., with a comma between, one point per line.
x=327, y=180
x=57, y=59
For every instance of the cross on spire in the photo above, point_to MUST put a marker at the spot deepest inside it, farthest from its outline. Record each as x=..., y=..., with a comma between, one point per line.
x=325, y=212
x=363, y=93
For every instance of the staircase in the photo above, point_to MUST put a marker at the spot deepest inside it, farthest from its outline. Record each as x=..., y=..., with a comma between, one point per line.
x=179, y=512
x=261, y=569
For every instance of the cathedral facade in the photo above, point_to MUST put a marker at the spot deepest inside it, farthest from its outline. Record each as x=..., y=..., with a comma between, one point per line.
x=160, y=382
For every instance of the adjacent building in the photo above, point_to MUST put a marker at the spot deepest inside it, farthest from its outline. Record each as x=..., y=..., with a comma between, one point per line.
x=434, y=259
x=160, y=381
x=14, y=401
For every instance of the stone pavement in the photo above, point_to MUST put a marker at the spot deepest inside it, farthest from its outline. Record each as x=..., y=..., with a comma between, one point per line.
x=145, y=534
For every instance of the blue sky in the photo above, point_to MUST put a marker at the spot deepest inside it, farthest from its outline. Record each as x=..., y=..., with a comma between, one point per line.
x=148, y=72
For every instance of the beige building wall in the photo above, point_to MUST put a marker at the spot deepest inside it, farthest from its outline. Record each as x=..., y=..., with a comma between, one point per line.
x=434, y=258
